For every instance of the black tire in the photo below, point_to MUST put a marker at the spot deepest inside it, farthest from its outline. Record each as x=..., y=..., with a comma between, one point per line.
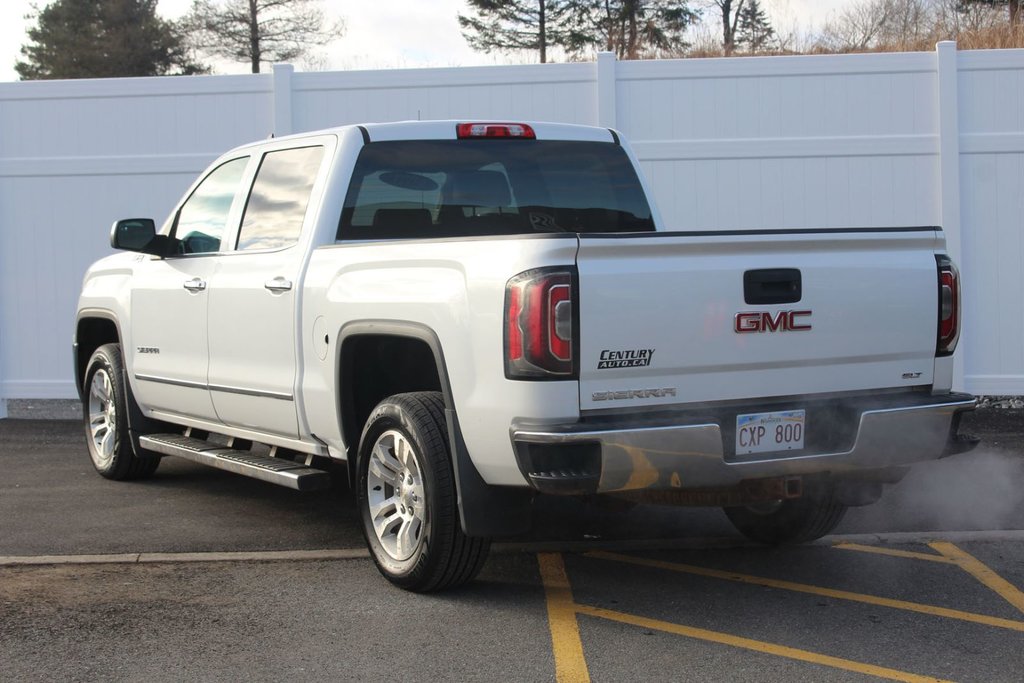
x=796, y=520
x=443, y=556
x=105, y=416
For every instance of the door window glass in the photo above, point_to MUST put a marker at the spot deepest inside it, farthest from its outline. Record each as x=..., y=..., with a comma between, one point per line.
x=277, y=204
x=203, y=217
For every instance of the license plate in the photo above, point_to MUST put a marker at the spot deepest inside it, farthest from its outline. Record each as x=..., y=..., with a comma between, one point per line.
x=767, y=432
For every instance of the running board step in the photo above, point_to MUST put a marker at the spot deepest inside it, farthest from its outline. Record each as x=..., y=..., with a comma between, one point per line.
x=274, y=470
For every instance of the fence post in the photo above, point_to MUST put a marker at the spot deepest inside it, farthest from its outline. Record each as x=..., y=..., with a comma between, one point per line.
x=606, y=96
x=947, y=76
x=3, y=398
x=282, y=94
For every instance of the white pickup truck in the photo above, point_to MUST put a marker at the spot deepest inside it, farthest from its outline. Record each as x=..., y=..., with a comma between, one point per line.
x=471, y=314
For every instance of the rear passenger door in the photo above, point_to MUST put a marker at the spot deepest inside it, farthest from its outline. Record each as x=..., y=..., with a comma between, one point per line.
x=253, y=296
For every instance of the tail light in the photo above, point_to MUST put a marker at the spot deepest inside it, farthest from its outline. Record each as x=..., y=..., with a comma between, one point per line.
x=494, y=130
x=540, y=325
x=949, y=307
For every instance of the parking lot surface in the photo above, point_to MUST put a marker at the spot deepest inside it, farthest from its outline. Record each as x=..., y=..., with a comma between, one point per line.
x=122, y=581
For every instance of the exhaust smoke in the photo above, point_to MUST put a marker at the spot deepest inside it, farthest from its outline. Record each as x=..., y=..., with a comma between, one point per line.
x=980, y=490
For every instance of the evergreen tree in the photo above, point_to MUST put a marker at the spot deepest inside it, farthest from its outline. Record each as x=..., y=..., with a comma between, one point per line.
x=633, y=29
x=103, y=39
x=535, y=25
x=755, y=31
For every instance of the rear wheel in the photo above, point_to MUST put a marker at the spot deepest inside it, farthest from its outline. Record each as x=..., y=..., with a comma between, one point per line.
x=795, y=520
x=105, y=414
x=407, y=499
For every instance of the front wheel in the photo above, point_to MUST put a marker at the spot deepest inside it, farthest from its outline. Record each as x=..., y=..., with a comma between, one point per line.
x=407, y=499
x=105, y=413
x=796, y=520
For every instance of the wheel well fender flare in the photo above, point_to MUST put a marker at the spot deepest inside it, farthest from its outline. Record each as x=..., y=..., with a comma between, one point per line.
x=395, y=328
x=78, y=361
x=343, y=375
x=138, y=423
x=484, y=510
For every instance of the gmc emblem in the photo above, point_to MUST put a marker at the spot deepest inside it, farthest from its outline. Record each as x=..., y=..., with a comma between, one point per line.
x=783, y=321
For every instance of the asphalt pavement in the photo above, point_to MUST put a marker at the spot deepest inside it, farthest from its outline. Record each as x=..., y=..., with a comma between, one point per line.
x=925, y=583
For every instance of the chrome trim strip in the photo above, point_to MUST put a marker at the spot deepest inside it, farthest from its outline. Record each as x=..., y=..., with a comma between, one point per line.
x=552, y=438
x=540, y=437
x=215, y=387
x=251, y=392
x=174, y=382
x=957, y=406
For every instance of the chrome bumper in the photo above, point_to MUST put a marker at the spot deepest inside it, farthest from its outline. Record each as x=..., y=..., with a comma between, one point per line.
x=622, y=456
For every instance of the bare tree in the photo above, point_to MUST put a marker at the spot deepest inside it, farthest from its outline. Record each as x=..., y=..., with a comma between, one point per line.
x=912, y=24
x=1016, y=7
x=858, y=27
x=917, y=25
x=730, y=11
x=974, y=16
x=257, y=31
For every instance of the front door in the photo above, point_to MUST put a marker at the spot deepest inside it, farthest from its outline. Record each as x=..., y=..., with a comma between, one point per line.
x=170, y=300
x=168, y=319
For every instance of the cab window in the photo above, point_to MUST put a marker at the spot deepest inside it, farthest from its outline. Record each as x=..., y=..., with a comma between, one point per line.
x=280, y=194
x=203, y=217
x=421, y=189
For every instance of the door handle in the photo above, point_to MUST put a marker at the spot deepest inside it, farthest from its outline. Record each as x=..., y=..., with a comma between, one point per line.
x=772, y=286
x=278, y=284
x=195, y=284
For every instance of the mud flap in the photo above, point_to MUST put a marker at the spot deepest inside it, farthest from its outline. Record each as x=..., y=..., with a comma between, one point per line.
x=485, y=510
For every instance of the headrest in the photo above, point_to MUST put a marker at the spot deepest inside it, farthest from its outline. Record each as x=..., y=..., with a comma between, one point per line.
x=404, y=220
x=477, y=188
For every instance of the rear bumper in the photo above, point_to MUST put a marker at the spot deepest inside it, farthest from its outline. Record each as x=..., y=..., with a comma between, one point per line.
x=694, y=449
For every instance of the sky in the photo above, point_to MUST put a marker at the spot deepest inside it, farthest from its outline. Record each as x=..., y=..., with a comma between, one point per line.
x=388, y=33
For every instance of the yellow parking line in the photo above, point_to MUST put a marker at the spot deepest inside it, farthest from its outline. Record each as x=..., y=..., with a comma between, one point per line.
x=981, y=572
x=894, y=553
x=570, y=666
x=755, y=645
x=815, y=590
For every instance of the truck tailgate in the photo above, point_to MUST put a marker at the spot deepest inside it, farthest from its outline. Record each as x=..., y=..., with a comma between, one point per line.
x=660, y=314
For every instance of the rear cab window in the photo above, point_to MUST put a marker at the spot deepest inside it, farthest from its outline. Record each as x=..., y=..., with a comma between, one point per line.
x=276, y=206
x=421, y=189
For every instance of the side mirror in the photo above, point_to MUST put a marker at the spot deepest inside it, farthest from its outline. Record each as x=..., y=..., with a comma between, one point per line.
x=134, y=234
x=140, y=235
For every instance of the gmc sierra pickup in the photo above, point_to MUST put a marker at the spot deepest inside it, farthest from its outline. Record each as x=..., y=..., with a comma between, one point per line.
x=470, y=314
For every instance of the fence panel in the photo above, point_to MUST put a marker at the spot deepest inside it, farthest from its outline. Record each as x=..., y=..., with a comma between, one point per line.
x=992, y=198
x=753, y=143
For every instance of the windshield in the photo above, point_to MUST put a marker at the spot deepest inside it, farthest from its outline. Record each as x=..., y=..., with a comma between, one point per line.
x=420, y=189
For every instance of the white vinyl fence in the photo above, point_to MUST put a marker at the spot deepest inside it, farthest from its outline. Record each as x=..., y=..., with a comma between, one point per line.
x=931, y=138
